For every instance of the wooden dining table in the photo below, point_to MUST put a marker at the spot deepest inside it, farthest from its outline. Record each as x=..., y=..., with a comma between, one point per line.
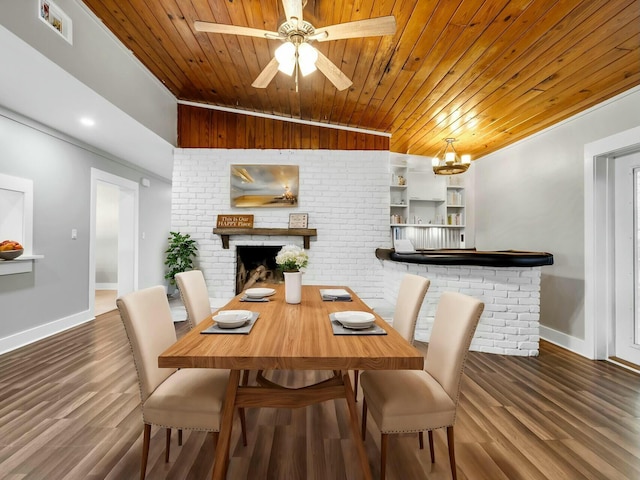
x=291, y=337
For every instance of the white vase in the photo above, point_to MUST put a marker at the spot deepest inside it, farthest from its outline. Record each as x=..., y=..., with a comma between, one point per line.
x=292, y=287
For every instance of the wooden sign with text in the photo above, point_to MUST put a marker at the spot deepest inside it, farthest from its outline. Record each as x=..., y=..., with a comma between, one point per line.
x=234, y=221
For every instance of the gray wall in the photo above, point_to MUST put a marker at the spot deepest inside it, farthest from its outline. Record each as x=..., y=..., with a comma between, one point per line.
x=60, y=169
x=98, y=60
x=530, y=196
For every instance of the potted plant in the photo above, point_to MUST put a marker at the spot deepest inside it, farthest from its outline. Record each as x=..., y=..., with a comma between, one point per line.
x=290, y=260
x=180, y=254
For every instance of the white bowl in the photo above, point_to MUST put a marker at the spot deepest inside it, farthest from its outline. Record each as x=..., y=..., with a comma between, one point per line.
x=355, y=319
x=232, y=318
x=259, y=292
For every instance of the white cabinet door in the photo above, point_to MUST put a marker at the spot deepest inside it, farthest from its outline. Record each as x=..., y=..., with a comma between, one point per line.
x=426, y=186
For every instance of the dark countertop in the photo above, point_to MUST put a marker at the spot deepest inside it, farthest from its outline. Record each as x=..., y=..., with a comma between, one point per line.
x=502, y=258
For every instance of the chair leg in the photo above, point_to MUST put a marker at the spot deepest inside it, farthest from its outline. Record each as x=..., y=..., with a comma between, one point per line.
x=355, y=384
x=433, y=458
x=145, y=450
x=452, y=455
x=167, y=446
x=215, y=435
x=364, y=419
x=383, y=455
x=179, y=437
x=421, y=440
x=243, y=426
x=245, y=378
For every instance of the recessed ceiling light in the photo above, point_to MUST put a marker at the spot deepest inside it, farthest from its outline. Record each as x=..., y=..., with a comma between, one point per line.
x=87, y=122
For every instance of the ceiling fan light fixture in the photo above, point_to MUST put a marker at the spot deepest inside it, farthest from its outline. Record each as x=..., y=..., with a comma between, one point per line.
x=286, y=56
x=295, y=55
x=307, y=58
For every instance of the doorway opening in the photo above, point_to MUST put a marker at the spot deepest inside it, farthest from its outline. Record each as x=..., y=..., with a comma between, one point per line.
x=113, y=246
x=600, y=288
x=625, y=189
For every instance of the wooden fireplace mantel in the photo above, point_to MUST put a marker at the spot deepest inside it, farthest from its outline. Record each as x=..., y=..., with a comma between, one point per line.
x=307, y=233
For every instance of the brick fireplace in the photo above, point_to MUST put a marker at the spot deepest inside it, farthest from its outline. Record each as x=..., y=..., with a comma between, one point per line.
x=256, y=266
x=345, y=194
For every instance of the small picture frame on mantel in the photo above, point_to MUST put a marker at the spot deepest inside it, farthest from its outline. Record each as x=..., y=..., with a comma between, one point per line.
x=298, y=220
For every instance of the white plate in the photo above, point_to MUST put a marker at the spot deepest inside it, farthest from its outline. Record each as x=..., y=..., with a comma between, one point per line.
x=232, y=318
x=336, y=292
x=355, y=319
x=259, y=292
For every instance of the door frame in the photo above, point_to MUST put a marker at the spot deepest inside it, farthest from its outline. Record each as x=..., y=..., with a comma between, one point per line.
x=625, y=184
x=598, y=241
x=127, y=230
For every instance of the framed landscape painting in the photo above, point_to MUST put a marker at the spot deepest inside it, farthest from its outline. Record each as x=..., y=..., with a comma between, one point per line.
x=255, y=186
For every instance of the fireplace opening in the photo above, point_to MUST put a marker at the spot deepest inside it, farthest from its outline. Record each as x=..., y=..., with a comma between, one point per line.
x=256, y=267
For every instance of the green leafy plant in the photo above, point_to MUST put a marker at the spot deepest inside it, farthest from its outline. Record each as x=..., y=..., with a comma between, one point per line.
x=180, y=254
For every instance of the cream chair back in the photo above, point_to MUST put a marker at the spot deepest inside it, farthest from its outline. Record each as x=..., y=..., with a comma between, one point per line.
x=195, y=296
x=147, y=320
x=455, y=322
x=410, y=297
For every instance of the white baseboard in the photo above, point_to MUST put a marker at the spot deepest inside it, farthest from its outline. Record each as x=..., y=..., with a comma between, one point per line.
x=106, y=286
x=576, y=345
x=34, y=334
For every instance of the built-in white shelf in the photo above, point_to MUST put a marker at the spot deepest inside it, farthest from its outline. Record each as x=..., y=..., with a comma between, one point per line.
x=22, y=264
x=398, y=205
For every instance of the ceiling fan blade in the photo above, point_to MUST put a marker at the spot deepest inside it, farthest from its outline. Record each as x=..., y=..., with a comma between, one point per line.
x=333, y=73
x=292, y=9
x=233, y=30
x=266, y=75
x=371, y=27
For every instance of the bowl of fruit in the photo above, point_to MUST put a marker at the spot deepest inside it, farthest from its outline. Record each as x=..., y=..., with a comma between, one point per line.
x=10, y=249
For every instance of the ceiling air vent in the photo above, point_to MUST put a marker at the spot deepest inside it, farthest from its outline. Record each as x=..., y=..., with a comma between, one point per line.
x=52, y=15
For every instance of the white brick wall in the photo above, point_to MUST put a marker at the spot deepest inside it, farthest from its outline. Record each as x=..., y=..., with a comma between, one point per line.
x=511, y=319
x=345, y=193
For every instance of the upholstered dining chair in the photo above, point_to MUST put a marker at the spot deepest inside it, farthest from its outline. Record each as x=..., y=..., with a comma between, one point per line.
x=195, y=296
x=191, y=398
x=408, y=401
x=413, y=288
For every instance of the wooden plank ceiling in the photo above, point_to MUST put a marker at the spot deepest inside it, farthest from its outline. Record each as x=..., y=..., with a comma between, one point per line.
x=485, y=72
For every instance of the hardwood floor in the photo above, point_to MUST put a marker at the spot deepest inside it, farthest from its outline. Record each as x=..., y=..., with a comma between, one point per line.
x=69, y=410
x=105, y=301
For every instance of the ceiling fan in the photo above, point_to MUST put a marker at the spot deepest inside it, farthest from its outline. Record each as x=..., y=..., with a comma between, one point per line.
x=296, y=53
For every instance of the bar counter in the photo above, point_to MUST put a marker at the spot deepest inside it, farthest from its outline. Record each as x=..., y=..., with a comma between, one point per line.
x=469, y=256
x=508, y=282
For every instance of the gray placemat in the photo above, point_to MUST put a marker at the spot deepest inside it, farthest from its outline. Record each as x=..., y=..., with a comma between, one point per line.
x=328, y=297
x=244, y=330
x=338, y=329
x=253, y=299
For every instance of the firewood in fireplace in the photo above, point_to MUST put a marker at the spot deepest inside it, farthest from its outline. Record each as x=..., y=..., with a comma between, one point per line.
x=256, y=275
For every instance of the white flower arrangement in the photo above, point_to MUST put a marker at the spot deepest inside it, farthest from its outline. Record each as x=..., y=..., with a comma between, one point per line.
x=292, y=258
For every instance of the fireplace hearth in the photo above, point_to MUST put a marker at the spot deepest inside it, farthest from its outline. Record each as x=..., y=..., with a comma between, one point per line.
x=256, y=266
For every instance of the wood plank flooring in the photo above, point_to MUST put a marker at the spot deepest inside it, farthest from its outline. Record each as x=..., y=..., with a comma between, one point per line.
x=69, y=410
x=105, y=301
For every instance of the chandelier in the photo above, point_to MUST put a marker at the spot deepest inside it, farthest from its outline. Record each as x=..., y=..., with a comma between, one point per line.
x=451, y=163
